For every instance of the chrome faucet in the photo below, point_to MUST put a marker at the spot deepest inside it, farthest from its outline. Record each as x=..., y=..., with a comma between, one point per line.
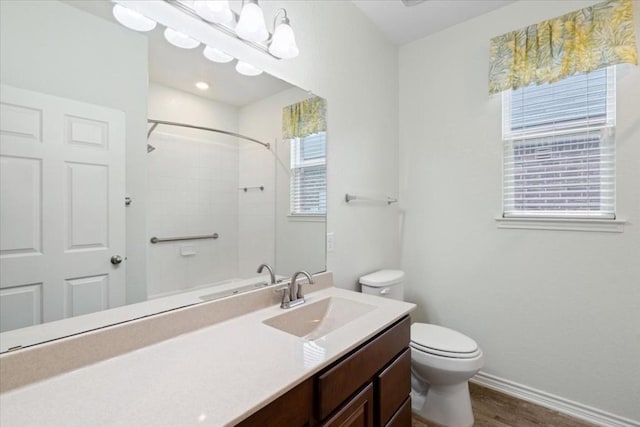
x=272, y=277
x=294, y=296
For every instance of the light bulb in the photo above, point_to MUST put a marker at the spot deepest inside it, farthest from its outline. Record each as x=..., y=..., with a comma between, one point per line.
x=251, y=24
x=247, y=69
x=132, y=19
x=283, y=44
x=216, y=55
x=217, y=11
x=179, y=39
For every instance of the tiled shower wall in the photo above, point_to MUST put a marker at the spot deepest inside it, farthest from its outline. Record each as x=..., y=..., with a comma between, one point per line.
x=193, y=190
x=256, y=208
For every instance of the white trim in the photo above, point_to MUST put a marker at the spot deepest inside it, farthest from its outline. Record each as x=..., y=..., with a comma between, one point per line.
x=565, y=406
x=307, y=218
x=565, y=224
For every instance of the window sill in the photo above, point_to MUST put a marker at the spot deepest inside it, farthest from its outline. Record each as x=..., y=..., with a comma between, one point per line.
x=563, y=224
x=307, y=218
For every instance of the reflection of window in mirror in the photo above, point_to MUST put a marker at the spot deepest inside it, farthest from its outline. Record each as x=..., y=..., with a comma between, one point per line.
x=308, y=189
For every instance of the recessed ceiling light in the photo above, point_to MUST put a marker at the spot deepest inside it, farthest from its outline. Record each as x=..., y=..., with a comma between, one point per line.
x=202, y=85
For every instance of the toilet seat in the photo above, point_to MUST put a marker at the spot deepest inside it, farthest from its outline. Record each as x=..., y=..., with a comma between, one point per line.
x=443, y=342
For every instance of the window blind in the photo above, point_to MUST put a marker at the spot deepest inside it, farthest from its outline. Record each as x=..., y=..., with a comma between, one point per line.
x=559, y=148
x=308, y=188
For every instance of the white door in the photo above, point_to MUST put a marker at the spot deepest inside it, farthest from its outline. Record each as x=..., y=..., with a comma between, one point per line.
x=62, y=207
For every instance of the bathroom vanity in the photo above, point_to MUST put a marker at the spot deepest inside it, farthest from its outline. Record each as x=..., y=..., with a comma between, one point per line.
x=244, y=370
x=369, y=386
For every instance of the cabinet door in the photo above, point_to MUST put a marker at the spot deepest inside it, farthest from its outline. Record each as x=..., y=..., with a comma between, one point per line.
x=358, y=412
x=402, y=418
x=394, y=386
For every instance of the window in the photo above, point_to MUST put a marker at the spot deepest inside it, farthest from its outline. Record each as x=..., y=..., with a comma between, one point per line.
x=308, y=190
x=559, y=148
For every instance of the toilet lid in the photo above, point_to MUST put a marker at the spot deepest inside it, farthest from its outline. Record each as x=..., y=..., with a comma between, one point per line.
x=442, y=341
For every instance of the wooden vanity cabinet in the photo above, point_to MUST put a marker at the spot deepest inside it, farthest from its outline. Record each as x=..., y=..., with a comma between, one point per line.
x=368, y=387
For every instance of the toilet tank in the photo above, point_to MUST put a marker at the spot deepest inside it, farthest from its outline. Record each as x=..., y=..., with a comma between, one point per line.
x=384, y=283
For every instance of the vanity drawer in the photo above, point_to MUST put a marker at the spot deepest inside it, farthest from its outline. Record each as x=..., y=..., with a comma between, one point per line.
x=394, y=385
x=335, y=385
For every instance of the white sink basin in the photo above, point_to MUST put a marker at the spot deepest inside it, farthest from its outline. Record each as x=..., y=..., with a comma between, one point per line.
x=314, y=320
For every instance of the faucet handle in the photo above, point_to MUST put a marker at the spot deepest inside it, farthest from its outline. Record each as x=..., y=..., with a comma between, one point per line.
x=286, y=289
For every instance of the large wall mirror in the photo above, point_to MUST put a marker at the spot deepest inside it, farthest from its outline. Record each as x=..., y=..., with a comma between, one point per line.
x=106, y=216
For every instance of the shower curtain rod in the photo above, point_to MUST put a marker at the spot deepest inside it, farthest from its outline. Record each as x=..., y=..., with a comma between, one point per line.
x=184, y=125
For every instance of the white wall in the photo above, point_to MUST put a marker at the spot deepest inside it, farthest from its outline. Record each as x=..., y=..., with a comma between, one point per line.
x=44, y=49
x=193, y=181
x=345, y=59
x=299, y=244
x=558, y=311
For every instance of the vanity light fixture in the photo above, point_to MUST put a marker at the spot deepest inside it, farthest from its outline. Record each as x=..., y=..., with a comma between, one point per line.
x=251, y=25
x=202, y=85
x=132, y=19
x=283, y=43
x=247, y=69
x=217, y=11
x=216, y=55
x=217, y=14
x=179, y=39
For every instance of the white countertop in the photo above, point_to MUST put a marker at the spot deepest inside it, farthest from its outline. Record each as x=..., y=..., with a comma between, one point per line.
x=215, y=376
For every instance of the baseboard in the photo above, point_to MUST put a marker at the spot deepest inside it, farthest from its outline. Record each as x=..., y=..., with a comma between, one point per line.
x=568, y=407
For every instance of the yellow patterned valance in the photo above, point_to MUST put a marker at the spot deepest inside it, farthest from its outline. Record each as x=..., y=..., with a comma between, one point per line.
x=578, y=42
x=304, y=118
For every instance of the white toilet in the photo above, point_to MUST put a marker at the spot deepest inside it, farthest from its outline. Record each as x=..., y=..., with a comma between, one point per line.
x=442, y=360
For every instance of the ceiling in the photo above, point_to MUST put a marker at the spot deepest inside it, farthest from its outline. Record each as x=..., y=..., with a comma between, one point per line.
x=182, y=68
x=404, y=24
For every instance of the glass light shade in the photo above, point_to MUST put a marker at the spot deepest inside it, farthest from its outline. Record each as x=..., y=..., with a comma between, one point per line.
x=251, y=24
x=132, y=19
x=217, y=11
x=283, y=44
x=179, y=39
x=247, y=69
x=216, y=55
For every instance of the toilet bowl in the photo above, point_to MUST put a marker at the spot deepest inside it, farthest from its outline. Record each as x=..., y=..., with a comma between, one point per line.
x=442, y=361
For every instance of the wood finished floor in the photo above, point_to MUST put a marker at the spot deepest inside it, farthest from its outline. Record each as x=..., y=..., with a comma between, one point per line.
x=495, y=409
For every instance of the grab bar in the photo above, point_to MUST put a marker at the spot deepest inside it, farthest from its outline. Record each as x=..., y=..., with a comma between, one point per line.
x=155, y=240
x=256, y=187
x=350, y=197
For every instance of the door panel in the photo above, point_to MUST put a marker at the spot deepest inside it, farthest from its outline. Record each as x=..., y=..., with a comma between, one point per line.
x=21, y=201
x=62, y=212
x=20, y=306
x=87, y=195
x=20, y=123
x=87, y=132
x=86, y=295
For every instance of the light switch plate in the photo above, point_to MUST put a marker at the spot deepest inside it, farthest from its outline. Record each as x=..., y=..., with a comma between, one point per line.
x=331, y=242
